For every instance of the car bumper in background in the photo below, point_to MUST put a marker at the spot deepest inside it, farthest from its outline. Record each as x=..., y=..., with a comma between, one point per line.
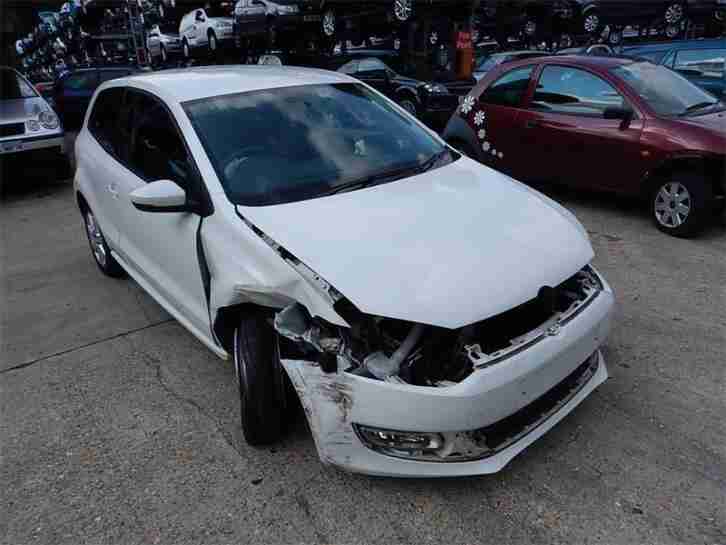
x=19, y=146
x=485, y=420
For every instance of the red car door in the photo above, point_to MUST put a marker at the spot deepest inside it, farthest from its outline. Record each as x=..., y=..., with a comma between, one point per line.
x=494, y=118
x=578, y=130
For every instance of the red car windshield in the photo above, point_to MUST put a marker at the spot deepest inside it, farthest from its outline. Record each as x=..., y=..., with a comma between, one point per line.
x=668, y=93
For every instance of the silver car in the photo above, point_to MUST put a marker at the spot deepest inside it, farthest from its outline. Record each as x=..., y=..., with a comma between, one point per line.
x=161, y=44
x=29, y=128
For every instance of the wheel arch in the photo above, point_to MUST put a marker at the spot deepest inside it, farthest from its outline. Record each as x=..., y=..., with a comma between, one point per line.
x=710, y=167
x=226, y=321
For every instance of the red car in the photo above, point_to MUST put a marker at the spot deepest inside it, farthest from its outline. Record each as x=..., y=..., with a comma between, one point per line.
x=605, y=123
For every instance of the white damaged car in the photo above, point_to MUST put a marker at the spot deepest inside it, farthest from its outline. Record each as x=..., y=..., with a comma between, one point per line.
x=435, y=317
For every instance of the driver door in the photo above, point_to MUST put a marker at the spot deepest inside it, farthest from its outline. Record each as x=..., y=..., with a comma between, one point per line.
x=568, y=138
x=161, y=248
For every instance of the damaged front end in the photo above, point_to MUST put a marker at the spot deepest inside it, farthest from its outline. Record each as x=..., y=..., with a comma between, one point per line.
x=406, y=353
x=383, y=390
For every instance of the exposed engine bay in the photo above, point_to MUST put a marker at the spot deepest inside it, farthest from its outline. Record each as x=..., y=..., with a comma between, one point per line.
x=422, y=355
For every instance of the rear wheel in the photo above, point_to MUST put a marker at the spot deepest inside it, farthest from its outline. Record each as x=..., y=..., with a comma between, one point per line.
x=402, y=10
x=591, y=22
x=329, y=23
x=185, y=49
x=260, y=379
x=674, y=13
x=212, y=39
x=164, y=56
x=682, y=204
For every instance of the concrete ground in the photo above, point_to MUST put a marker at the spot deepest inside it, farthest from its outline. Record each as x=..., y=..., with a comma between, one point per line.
x=118, y=427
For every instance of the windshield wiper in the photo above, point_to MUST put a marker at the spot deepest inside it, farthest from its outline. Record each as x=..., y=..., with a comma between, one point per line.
x=699, y=106
x=433, y=161
x=389, y=175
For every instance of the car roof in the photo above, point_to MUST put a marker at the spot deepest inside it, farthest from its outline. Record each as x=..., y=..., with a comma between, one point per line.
x=680, y=44
x=587, y=61
x=182, y=85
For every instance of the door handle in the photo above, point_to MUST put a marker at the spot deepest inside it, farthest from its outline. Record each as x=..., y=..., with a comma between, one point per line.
x=531, y=124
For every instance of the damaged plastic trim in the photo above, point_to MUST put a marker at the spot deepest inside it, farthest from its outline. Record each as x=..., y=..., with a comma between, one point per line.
x=593, y=286
x=329, y=292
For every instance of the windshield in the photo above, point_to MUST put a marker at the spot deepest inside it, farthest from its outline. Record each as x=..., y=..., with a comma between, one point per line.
x=13, y=87
x=296, y=143
x=665, y=91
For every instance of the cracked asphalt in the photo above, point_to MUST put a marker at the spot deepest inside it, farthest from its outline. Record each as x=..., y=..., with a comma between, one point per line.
x=118, y=427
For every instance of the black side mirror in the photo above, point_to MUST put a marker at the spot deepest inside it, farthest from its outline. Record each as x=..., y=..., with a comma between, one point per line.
x=625, y=115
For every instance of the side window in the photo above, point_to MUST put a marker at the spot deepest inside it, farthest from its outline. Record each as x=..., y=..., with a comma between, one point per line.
x=104, y=120
x=82, y=81
x=573, y=91
x=670, y=59
x=371, y=68
x=157, y=150
x=349, y=67
x=707, y=63
x=510, y=89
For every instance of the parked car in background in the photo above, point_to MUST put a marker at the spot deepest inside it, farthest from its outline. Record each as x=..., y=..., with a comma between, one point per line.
x=701, y=61
x=602, y=50
x=73, y=91
x=606, y=123
x=431, y=102
x=206, y=30
x=162, y=43
x=489, y=62
x=260, y=18
x=592, y=16
x=30, y=132
x=434, y=316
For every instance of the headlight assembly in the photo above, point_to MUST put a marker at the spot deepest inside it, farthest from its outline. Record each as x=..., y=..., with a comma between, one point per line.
x=435, y=89
x=48, y=120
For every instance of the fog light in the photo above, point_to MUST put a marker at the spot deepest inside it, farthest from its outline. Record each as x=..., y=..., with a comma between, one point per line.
x=33, y=125
x=399, y=442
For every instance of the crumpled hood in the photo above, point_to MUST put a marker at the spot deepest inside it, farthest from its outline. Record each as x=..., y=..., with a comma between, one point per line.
x=448, y=248
x=21, y=109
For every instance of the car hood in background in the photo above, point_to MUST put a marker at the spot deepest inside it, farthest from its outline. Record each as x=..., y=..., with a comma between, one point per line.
x=448, y=248
x=21, y=109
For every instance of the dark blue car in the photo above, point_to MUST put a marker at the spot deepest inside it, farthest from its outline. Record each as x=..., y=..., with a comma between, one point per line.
x=73, y=91
x=701, y=61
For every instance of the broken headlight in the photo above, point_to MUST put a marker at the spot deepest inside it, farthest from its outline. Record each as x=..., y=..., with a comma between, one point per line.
x=399, y=443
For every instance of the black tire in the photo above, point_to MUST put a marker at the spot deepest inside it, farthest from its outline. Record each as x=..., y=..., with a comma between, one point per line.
x=212, y=39
x=409, y=105
x=698, y=199
x=260, y=379
x=107, y=264
x=186, y=52
x=163, y=55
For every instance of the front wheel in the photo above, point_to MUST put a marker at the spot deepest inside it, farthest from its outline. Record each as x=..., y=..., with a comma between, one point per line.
x=674, y=13
x=260, y=379
x=682, y=204
x=164, y=56
x=410, y=106
x=99, y=248
x=591, y=22
x=185, y=50
x=212, y=42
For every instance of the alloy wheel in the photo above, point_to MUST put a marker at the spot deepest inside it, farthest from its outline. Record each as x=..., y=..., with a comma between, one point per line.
x=212, y=42
x=530, y=28
x=403, y=9
x=185, y=47
x=329, y=23
x=672, y=205
x=674, y=14
x=163, y=54
x=95, y=237
x=592, y=23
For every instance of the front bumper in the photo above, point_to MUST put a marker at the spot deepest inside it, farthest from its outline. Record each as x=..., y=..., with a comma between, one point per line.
x=17, y=146
x=488, y=397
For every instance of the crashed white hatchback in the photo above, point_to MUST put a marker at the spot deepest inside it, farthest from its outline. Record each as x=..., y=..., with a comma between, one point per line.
x=434, y=316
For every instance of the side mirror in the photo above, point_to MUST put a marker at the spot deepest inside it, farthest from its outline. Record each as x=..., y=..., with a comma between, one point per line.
x=625, y=115
x=160, y=196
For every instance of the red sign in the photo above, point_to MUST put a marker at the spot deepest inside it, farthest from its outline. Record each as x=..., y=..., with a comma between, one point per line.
x=463, y=40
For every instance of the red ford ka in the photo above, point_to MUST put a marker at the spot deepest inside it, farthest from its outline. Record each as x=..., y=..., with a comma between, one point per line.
x=605, y=123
